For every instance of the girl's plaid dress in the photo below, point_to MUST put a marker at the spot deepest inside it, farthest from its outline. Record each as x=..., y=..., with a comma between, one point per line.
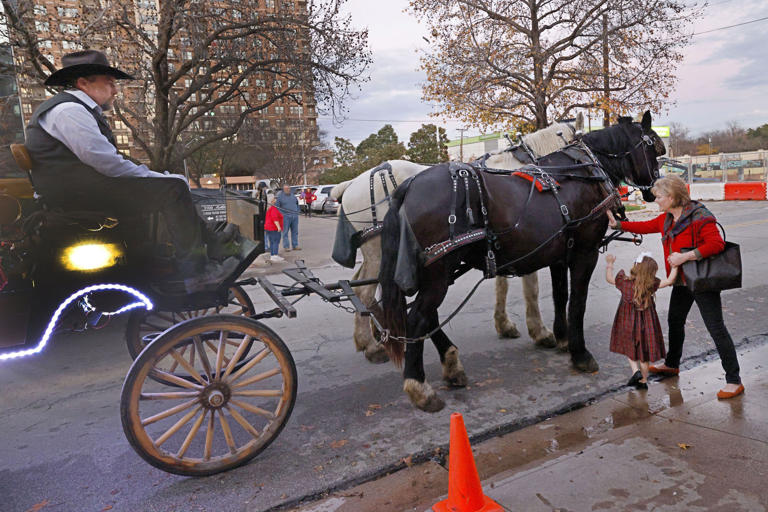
x=636, y=332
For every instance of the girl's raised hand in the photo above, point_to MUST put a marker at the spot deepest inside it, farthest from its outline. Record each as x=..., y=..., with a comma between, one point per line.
x=610, y=258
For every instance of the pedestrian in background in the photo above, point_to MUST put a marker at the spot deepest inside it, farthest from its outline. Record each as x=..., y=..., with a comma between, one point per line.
x=273, y=227
x=289, y=207
x=688, y=232
x=636, y=331
x=309, y=198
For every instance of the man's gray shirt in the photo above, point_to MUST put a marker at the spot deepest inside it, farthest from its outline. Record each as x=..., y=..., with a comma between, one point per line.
x=76, y=128
x=287, y=204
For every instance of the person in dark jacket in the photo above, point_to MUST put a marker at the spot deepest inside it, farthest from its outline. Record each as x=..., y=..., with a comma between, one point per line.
x=683, y=224
x=76, y=166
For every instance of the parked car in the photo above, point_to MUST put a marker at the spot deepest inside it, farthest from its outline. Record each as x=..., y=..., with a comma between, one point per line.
x=331, y=205
x=297, y=190
x=322, y=194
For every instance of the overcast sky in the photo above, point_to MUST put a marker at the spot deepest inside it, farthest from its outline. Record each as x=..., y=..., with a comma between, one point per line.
x=723, y=78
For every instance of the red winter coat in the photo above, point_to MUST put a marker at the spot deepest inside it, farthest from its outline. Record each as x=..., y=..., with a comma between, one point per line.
x=700, y=232
x=273, y=215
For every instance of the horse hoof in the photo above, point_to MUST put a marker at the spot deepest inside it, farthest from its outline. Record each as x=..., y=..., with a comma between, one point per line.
x=376, y=354
x=507, y=329
x=562, y=345
x=453, y=370
x=585, y=363
x=458, y=380
x=422, y=395
x=548, y=341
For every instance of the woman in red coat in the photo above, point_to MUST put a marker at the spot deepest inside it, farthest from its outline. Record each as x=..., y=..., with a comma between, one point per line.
x=688, y=224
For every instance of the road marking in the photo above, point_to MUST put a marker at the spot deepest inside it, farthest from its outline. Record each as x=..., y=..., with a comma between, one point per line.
x=747, y=223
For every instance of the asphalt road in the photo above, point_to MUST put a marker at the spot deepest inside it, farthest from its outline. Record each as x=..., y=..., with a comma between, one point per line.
x=63, y=447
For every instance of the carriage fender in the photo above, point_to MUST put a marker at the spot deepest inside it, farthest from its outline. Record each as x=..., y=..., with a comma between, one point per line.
x=346, y=243
x=408, y=257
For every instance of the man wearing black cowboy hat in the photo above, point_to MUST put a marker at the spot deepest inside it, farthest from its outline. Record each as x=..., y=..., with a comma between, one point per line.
x=76, y=165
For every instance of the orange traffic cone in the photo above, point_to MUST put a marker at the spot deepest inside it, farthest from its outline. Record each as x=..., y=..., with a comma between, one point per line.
x=465, y=494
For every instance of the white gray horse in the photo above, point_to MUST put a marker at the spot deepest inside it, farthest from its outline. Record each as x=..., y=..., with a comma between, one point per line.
x=356, y=199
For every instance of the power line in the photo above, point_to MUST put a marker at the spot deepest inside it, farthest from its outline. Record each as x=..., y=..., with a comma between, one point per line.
x=730, y=26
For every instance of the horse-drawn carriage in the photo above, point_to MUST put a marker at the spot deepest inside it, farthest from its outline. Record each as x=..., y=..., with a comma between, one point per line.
x=210, y=386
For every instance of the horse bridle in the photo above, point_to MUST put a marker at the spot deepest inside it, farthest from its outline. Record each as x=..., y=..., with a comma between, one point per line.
x=653, y=174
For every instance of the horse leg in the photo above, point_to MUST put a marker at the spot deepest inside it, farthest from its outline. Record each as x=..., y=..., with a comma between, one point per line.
x=538, y=332
x=453, y=370
x=559, y=273
x=505, y=327
x=363, y=333
x=421, y=320
x=581, y=268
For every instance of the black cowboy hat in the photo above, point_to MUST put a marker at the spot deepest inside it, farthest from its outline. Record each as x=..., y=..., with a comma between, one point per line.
x=84, y=63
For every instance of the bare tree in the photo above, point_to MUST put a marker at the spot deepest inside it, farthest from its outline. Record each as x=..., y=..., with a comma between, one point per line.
x=202, y=68
x=528, y=62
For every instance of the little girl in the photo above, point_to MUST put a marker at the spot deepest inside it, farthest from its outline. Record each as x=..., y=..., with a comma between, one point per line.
x=636, y=329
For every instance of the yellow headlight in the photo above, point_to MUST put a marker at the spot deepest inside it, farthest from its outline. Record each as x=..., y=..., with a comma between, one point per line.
x=91, y=256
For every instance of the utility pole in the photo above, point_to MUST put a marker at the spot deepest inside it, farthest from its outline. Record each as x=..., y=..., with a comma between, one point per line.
x=461, y=144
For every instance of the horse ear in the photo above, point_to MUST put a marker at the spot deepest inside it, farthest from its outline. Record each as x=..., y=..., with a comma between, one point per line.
x=625, y=120
x=646, y=122
x=579, y=123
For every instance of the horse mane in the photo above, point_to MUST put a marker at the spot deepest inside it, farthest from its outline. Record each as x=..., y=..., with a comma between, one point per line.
x=541, y=142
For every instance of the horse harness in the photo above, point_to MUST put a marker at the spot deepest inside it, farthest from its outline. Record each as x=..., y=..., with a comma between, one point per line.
x=376, y=227
x=542, y=178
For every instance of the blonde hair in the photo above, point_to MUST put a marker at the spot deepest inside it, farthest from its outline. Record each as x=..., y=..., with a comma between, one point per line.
x=644, y=276
x=674, y=187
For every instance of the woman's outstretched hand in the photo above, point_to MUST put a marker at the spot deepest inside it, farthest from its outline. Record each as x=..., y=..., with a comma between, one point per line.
x=612, y=222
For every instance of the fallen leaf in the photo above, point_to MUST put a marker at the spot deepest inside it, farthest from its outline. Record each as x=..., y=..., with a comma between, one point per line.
x=684, y=446
x=374, y=406
x=408, y=461
x=108, y=507
x=502, y=410
x=339, y=443
x=37, y=506
x=369, y=413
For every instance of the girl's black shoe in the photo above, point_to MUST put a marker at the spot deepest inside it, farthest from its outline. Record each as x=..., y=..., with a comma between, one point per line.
x=635, y=378
x=641, y=385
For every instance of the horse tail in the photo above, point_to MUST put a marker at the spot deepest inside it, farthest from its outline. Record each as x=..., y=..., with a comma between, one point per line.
x=392, y=297
x=338, y=190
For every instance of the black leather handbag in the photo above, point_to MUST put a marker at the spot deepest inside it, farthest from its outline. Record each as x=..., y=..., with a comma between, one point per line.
x=721, y=271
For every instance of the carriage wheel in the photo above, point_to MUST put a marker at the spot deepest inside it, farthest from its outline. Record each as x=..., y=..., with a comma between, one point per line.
x=222, y=418
x=145, y=326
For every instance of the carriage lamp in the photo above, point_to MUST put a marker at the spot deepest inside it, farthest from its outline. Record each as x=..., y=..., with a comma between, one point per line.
x=87, y=257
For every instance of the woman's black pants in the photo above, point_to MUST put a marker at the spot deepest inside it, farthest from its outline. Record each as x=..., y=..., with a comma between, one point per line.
x=711, y=311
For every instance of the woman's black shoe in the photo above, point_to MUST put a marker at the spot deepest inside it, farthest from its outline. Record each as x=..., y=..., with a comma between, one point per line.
x=641, y=385
x=635, y=378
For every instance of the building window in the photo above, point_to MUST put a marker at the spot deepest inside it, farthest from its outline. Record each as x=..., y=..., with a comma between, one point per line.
x=277, y=84
x=70, y=45
x=41, y=26
x=270, y=4
x=122, y=140
x=262, y=96
x=40, y=10
x=187, y=55
x=227, y=109
x=66, y=12
x=279, y=110
x=264, y=123
x=187, y=83
x=119, y=125
x=259, y=83
x=27, y=108
x=69, y=28
x=297, y=110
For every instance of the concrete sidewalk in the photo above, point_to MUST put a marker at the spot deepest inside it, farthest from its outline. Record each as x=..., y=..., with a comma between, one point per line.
x=674, y=447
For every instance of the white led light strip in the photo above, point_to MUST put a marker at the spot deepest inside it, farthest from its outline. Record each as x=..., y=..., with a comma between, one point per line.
x=144, y=301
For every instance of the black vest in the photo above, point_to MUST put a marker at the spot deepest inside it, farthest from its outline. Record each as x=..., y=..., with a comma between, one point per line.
x=56, y=171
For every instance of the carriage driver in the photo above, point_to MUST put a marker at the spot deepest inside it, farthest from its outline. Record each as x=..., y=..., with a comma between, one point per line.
x=76, y=166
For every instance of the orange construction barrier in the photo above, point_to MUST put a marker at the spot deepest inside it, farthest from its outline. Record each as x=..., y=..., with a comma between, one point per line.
x=465, y=494
x=745, y=190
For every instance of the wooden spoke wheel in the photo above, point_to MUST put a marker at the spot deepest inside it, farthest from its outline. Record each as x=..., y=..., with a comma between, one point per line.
x=226, y=414
x=144, y=326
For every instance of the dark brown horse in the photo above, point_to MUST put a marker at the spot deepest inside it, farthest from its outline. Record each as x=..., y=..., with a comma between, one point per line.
x=528, y=230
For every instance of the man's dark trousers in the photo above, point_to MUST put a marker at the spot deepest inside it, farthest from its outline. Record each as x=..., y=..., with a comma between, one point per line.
x=129, y=197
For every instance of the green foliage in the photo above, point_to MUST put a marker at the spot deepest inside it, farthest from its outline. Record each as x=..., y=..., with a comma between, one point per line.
x=423, y=147
x=344, y=152
x=761, y=132
x=379, y=147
